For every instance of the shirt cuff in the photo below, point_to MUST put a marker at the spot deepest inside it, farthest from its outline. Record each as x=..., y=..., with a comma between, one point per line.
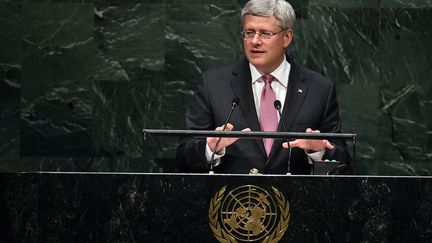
x=216, y=157
x=315, y=156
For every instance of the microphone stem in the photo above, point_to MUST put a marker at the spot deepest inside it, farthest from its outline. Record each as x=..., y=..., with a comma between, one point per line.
x=287, y=140
x=220, y=138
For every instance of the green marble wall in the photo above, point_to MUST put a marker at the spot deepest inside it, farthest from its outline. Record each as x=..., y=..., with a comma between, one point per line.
x=80, y=79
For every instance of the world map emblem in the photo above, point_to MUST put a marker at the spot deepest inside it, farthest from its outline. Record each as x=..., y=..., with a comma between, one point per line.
x=249, y=214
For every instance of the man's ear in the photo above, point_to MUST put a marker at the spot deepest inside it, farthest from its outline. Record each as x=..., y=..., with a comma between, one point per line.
x=288, y=37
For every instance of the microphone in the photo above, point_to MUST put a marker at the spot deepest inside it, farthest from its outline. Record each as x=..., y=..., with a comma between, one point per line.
x=234, y=103
x=278, y=106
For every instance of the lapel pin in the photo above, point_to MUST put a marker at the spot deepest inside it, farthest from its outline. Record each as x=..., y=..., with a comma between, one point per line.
x=300, y=91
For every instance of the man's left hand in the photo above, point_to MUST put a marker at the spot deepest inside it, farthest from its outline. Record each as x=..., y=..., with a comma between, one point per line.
x=310, y=145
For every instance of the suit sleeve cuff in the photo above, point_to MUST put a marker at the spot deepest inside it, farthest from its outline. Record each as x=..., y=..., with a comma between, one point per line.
x=217, y=157
x=315, y=156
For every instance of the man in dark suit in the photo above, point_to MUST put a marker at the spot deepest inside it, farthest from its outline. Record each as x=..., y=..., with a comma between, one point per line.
x=266, y=74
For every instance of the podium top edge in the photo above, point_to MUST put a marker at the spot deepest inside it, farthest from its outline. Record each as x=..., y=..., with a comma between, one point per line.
x=209, y=175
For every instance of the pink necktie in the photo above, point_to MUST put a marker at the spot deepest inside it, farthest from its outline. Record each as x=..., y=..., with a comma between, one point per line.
x=267, y=112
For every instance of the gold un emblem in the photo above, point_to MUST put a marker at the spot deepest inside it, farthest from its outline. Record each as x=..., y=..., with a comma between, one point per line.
x=249, y=214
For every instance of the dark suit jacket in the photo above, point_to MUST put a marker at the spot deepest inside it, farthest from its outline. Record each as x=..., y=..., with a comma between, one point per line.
x=315, y=106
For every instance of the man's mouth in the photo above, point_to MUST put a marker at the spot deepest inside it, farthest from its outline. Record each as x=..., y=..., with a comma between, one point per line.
x=257, y=51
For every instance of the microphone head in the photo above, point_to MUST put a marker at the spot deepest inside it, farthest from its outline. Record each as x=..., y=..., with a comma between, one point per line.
x=277, y=105
x=235, y=101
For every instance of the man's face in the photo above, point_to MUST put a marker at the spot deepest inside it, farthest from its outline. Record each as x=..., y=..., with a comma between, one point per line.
x=265, y=54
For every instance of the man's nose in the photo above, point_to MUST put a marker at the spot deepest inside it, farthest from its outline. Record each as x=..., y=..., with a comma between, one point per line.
x=256, y=39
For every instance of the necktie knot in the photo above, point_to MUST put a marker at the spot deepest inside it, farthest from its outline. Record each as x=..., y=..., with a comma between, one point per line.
x=268, y=78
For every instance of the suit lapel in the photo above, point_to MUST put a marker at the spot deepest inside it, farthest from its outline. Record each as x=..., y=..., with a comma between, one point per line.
x=296, y=94
x=241, y=85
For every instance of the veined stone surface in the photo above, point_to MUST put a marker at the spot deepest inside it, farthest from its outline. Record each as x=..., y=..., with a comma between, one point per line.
x=79, y=80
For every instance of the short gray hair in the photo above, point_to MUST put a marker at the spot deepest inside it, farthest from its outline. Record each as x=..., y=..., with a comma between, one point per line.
x=281, y=9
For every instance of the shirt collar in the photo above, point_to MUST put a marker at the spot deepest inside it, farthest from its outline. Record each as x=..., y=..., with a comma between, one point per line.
x=281, y=73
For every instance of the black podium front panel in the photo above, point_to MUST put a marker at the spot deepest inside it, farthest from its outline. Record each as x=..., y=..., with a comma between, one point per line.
x=94, y=207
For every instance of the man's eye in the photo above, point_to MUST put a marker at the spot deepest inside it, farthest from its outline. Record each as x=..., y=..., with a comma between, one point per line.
x=249, y=33
x=266, y=34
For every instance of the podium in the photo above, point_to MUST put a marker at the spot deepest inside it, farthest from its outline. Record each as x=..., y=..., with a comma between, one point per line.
x=130, y=207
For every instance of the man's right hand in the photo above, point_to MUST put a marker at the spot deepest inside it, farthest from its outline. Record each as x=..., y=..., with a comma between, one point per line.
x=225, y=142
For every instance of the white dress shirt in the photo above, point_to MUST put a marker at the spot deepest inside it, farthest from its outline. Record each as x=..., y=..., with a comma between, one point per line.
x=279, y=83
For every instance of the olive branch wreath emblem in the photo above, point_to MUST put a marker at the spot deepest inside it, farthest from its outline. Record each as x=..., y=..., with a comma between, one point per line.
x=275, y=236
